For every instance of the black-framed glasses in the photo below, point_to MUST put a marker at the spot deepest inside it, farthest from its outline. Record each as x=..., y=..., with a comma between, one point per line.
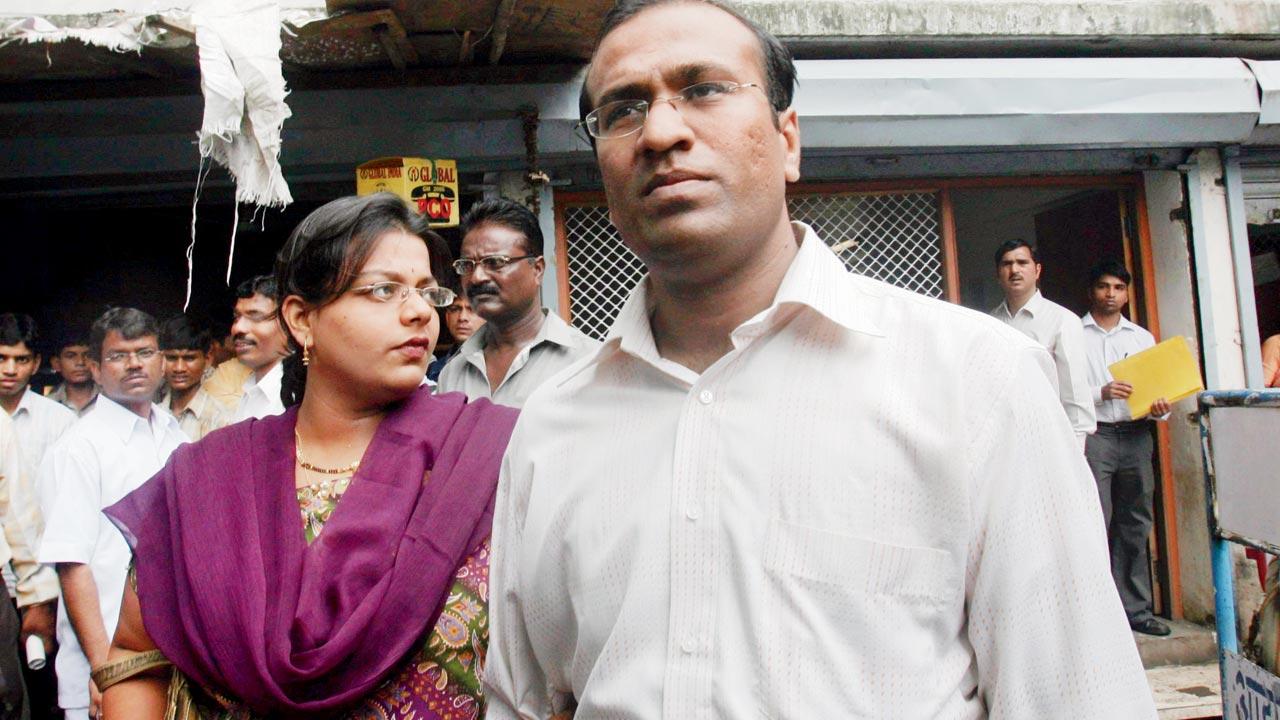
x=625, y=117
x=120, y=357
x=490, y=263
x=386, y=292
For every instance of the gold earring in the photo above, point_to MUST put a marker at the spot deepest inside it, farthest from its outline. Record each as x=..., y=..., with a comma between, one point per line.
x=306, y=355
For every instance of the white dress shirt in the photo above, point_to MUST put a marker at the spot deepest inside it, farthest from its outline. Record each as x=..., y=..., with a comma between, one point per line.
x=1103, y=348
x=1056, y=328
x=872, y=506
x=261, y=397
x=102, y=458
x=38, y=422
x=556, y=346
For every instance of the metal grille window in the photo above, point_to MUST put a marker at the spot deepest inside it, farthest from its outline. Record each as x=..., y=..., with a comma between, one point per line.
x=895, y=237
x=602, y=271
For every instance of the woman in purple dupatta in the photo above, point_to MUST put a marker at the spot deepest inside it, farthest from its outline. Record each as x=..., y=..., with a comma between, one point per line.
x=331, y=561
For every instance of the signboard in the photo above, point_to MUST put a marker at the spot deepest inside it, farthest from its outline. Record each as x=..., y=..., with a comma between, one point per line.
x=1245, y=425
x=430, y=186
x=1250, y=693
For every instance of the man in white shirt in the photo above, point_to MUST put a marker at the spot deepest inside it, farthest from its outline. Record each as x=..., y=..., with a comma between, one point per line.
x=260, y=345
x=521, y=344
x=1051, y=325
x=37, y=423
x=904, y=528
x=112, y=450
x=1119, y=453
x=34, y=588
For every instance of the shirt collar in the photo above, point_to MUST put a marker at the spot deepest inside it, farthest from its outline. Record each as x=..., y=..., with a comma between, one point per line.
x=26, y=404
x=1124, y=324
x=1031, y=308
x=270, y=382
x=199, y=403
x=124, y=422
x=816, y=280
x=553, y=330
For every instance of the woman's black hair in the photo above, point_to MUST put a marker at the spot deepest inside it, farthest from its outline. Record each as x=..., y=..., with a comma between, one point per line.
x=325, y=253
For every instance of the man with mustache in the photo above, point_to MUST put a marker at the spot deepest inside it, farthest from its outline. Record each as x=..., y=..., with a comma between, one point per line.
x=1048, y=323
x=109, y=452
x=260, y=345
x=780, y=489
x=188, y=350
x=521, y=344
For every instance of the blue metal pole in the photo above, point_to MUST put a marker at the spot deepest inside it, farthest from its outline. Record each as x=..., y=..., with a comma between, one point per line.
x=1224, y=594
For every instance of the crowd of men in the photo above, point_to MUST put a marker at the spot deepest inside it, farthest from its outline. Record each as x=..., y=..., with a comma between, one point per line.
x=132, y=389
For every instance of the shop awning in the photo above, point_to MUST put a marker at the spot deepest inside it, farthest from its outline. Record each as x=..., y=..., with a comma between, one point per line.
x=1067, y=102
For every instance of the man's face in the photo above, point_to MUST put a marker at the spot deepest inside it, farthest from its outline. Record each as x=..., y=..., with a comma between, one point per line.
x=1018, y=273
x=461, y=319
x=505, y=295
x=129, y=371
x=183, y=369
x=17, y=364
x=1108, y=295
x=257, y=333
x=692, y=185
x=72, y=363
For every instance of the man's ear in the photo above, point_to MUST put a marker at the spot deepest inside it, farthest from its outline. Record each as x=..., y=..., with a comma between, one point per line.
x=96, y=370
x=789, y=137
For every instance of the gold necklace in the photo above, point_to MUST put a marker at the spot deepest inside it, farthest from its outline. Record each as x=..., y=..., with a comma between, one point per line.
x=302, y=463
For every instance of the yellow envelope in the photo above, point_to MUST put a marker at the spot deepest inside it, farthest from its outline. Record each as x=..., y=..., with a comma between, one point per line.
x=1168, y=371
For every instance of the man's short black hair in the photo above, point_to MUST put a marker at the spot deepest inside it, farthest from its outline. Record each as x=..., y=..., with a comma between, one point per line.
x=131, y=323
x=16, y=329
x=181, y=332
x=1009, y=246
x=509, y=214
x=1111, y=267
x=70, y=340
x=779, y=67
x=258, y=285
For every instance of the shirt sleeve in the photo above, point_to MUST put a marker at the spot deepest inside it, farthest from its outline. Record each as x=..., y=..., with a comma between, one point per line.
x=1074, y=391
x=515, y=685
x=21, y=519
x=71, y=499
x=1045, y=621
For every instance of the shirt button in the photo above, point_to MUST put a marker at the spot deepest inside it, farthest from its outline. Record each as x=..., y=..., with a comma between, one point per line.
x=692, y=512
x=688, y=646
x=705, y=397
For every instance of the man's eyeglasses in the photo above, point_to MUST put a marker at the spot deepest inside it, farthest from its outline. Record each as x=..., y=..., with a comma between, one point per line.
x=624, y=117
x=490, y=263
x=435, y=295
x=120, y=357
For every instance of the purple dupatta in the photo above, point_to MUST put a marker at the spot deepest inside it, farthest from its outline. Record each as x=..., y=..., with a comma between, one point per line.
x=236, y=599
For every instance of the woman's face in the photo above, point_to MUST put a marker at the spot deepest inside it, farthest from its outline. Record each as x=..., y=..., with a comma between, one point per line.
x=374, y=344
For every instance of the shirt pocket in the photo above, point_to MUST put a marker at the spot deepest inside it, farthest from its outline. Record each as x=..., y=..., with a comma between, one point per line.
x=856, y=624
x=911, y=574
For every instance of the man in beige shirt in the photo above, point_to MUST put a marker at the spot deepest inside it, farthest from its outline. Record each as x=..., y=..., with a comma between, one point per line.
x=187, y=351
x=521, y=344
x=37, y=588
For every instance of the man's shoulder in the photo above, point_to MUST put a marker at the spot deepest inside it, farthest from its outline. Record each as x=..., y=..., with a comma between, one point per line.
x=901, y=311
x=42, y=405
